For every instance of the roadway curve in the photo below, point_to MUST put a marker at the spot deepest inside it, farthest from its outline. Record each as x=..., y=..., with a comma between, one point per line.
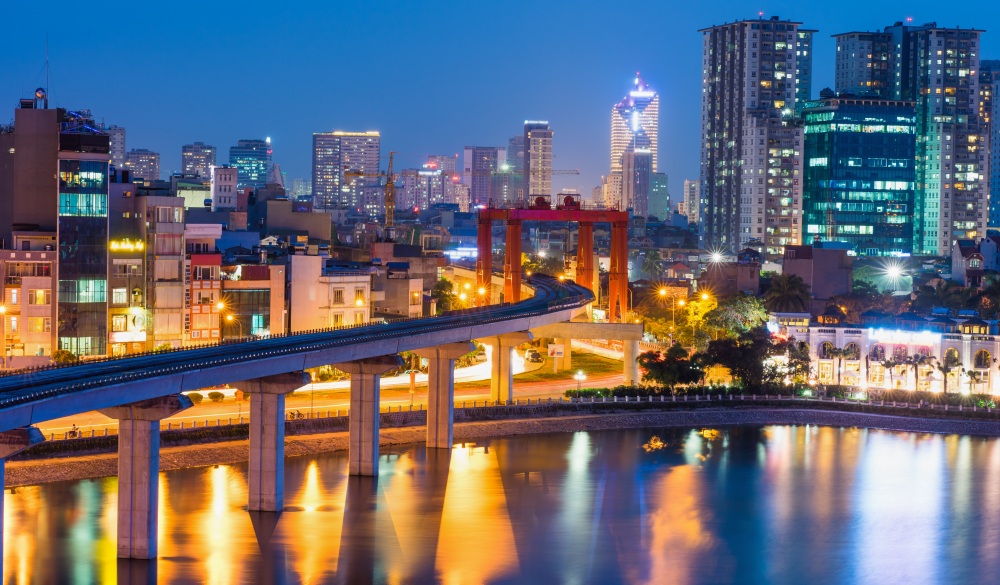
x=35, y=396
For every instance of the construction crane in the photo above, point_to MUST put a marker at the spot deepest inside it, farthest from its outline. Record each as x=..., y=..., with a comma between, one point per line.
x=390, y=192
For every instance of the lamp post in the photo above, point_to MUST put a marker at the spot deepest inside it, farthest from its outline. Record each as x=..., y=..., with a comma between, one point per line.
x=220, y=307
x=579, y=377
x=231, y=319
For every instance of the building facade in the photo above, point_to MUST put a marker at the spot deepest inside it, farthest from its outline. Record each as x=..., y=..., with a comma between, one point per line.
x=478, y=167
x=338, y=159
x=143, y=164
x=537, y=158
x=637, y=174
x=635, y=126
x=989, y=108
x=938, y=69
x=753, y=74
x=690, y=205
x=860, y=176
x=225, y=187
x=252, y=159
x=116, y=134
x=197, y=159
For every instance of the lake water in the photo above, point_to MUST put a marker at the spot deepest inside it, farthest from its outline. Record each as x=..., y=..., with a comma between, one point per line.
x=731, y=505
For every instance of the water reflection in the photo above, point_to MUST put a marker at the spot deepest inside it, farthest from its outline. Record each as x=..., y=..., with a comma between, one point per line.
x=750, y=505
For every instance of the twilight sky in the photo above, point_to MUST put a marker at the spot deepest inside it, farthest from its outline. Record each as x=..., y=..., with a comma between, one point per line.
x=433, y=77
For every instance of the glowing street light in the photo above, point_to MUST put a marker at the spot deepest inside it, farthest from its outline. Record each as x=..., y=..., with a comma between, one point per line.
x=541, y=253
x=716, y=257
x=663, y=291
x=463, y=296
x=579, y=377
x=3, y=336
x=481, y=291
x=704, y=296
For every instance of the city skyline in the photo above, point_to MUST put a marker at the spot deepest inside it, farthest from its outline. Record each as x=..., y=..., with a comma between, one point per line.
x=479, y=109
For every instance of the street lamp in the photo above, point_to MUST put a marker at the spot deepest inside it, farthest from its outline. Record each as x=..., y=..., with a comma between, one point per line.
x=231, y=319
x=579, y=377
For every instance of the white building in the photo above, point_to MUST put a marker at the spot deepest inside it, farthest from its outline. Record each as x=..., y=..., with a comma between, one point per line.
x=537, y=158
x=224, y=180
x=322, y=297
x=689, y=206
x=635, y=125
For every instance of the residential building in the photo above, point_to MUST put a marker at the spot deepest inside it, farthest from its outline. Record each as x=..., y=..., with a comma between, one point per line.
x=143, y=164
x=659, y=195
x=54, y=196
x=537, y=158
x=225, y=187
x=197, y=159
x=446, y=163
x=967, y=264
x=128, y=311
x=252, y=159
x=324, y=295
x=635, y=123
x=938, y=69
x=689, y=206
x=478, y=166
x=203, y=294
x=859, y=174
x=728, y=278
x=989, y=109
x=395, y=294
x=828, y=271
x=116, y=135
x=253, y=297
x=341, y=160
x=28, y=322
x=753, y=74
x=637, y=169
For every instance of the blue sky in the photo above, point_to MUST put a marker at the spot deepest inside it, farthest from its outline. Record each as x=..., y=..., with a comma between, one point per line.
x=431, y=76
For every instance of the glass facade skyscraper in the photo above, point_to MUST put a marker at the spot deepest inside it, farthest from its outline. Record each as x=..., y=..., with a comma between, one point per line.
x=860, y=174
x=252, y=158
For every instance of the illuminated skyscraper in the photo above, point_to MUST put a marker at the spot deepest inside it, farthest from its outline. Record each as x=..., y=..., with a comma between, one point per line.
x=197, y=159
x=252, y=158
x=478, y=166
x=144, y=164
x=334, y=155
x=754, y=74
x=537, y=158
x=635, y=124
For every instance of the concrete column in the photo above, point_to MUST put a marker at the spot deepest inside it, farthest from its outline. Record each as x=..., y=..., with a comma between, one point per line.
x=363, y=422
x=631, y=352
x=441, y=391
x=512, y=263
x=565, y=362
x=266, y=469
x=13, y=442
x=502, y=350
x=484, y=259
x=139, y=470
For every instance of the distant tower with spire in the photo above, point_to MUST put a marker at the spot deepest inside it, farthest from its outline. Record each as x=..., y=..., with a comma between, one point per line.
x=635, y=130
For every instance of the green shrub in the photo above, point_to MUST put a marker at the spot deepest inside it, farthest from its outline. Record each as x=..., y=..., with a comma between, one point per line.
x=195, y=397
x=216, y=396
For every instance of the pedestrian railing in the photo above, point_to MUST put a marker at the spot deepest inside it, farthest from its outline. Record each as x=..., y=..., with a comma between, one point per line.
x=327, y=414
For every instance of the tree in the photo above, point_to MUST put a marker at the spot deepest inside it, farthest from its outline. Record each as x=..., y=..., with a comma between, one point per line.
x=744, y=355
x=838, y=354
x=652, y=265
x=737, y=314
x=946, y=366
x=890, y=365
x=671, y=367
x=975, y=377
x=917, y=361
x=865, y=296
x=547, y=264
x=443, y=292
x=63, y=357
x=788, y=294
x=945, y=294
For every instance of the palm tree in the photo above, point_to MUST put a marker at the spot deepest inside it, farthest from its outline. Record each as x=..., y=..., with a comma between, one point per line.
x=916, y=361
x=945, y=294
x=890, y=365
x=788, y=294
x=975, y=377
x=837, y=354
x=946, y=366
x=652, y=265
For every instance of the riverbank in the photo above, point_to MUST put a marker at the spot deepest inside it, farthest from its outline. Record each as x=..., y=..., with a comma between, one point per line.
x=48, y=470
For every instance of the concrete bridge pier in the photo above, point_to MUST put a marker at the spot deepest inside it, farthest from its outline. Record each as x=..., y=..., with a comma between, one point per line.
x=502, y=351
x=631, y=354
x=363, y=424
x=139, y=469
x=266, y=469
x=566, y=362
x=441, y=391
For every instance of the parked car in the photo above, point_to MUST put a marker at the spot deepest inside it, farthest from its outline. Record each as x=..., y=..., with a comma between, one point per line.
x=533, y=356
x=480, y=357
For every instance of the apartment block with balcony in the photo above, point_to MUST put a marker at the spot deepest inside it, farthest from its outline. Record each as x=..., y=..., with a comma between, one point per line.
x=327, y=296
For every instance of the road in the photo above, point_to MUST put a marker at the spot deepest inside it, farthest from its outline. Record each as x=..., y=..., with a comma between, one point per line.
x=394, y=394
